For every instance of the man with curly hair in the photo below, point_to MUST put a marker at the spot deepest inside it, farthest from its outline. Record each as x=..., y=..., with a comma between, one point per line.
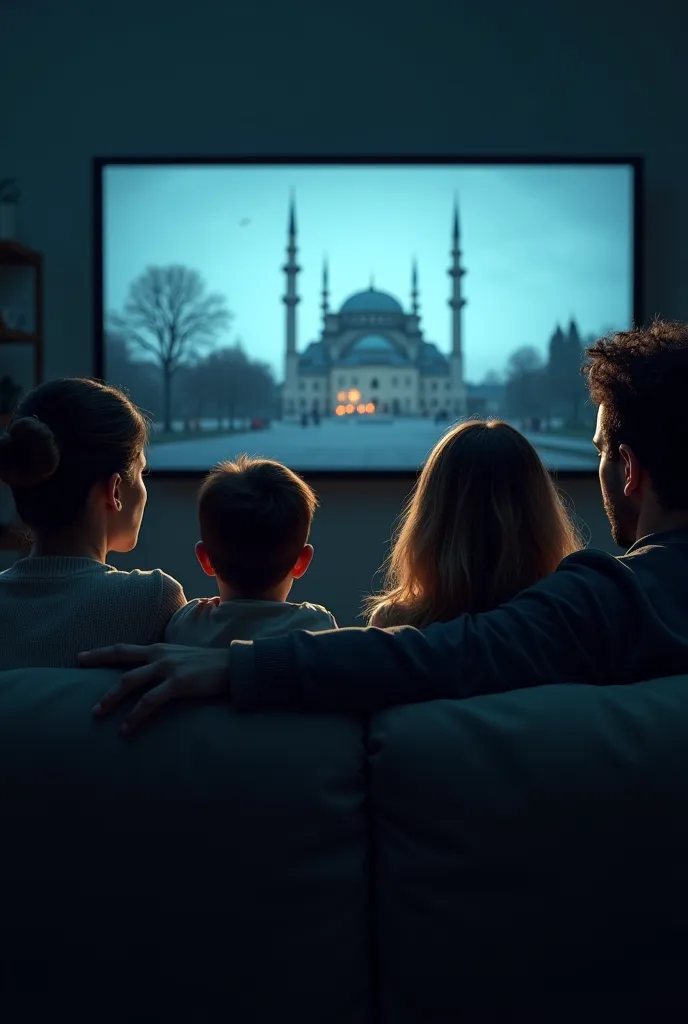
x=637, y=380
x=597, y=619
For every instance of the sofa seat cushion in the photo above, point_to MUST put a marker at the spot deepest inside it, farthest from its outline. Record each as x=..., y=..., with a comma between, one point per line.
x=213, y=858
x=531, y=844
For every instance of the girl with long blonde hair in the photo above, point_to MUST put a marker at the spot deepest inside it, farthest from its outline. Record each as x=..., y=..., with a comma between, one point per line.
x=483, y=523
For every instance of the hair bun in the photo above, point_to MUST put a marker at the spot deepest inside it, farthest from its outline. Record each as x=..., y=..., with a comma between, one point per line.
x=28, y=452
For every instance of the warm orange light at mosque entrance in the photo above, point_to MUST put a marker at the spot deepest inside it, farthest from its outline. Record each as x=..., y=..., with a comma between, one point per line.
x=362, y=408
x=348, y=408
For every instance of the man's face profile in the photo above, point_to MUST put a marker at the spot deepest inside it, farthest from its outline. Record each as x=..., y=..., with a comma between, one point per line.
x=620, y=509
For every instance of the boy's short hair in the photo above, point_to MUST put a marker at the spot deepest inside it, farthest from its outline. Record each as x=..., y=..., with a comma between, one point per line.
x=254, y=516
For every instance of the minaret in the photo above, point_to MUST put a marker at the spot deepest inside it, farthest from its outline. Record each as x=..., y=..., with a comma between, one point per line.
x=325, y=304
x=414, y=289
x=291, y=301
x=291, y=269
x=456, y=303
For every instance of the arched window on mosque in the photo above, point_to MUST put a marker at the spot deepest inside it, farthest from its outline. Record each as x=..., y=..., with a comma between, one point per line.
x=374, y=384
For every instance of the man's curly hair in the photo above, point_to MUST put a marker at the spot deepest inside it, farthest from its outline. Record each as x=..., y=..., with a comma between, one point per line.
x=641, y=376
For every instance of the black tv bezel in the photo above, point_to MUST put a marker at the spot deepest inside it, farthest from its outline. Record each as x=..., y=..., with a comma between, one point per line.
x=99, y=164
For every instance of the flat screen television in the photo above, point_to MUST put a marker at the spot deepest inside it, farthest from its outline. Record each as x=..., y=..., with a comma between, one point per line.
x=340, y=315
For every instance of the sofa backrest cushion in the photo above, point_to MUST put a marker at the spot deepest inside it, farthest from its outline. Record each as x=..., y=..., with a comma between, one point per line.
x=532, y=843
x=214, y=858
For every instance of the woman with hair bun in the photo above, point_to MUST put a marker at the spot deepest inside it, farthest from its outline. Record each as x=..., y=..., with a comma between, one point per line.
x=74, y=455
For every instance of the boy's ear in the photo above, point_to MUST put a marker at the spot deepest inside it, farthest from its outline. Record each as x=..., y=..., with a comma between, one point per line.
x=302, y=562
x=203, y=559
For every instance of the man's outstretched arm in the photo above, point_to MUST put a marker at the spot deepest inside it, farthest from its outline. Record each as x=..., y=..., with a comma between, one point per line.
x=574, y=626
x=588, y=622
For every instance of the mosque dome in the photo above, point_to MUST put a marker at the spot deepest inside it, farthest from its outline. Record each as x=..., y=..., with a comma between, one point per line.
x=374, y=349
x=374, y=343
x=371, y=301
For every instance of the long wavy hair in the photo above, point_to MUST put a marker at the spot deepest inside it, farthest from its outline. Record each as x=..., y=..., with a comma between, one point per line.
x=483, y=523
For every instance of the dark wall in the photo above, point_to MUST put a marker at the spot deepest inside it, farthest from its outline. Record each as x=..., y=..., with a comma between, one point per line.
x=80, y=79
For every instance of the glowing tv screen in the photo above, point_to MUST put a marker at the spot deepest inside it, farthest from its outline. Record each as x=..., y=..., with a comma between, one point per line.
x=340, y=316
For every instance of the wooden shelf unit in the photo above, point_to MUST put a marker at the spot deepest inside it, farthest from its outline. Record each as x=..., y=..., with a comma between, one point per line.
x=14, y=255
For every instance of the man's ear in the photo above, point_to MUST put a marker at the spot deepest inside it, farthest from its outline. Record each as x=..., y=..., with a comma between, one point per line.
x=633, y=473
x=203, y=559
x=302, y=562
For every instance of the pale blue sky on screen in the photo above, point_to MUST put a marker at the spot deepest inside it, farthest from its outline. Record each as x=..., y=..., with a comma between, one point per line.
x=540, y=245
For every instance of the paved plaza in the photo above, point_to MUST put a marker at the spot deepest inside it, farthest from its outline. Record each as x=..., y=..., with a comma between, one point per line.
x=356, y=444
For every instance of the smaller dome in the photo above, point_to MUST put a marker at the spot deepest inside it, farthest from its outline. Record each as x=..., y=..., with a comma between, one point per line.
x=371, y=301
x=373, y=343
x=374, y=350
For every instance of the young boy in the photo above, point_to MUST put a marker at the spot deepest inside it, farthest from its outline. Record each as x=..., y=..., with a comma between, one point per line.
x=254, y=517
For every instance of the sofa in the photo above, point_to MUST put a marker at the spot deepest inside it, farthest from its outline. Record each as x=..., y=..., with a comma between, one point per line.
x=436, y=863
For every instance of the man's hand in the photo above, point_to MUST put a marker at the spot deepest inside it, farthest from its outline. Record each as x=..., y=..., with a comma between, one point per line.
x=165, y=671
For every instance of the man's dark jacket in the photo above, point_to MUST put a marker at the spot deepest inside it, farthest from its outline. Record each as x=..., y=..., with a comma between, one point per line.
x=597, y=619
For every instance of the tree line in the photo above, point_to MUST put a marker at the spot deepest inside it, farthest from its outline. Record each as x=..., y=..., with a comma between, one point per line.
x=538, y=388
x=163, y=348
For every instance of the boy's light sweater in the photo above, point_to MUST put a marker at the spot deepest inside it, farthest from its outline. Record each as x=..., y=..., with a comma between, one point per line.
x=210, y=622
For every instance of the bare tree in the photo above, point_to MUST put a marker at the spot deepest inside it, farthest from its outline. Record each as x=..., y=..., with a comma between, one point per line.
x=139, y=378
x=239, y=387
x=170, y=317
x=228, y=386
x=526, y=396
x=523, y=360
